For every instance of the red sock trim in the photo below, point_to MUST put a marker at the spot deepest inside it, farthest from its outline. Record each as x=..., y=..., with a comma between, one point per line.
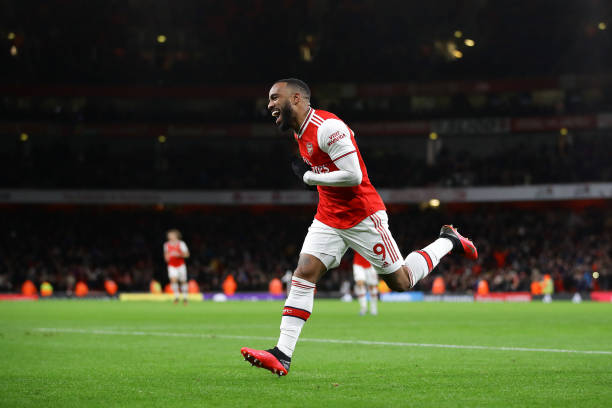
x=301, y=285
x=295, y=312
x=427, y=258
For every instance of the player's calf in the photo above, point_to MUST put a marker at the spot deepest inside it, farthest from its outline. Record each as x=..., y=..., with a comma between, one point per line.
x=360, y=293
x=373, y=300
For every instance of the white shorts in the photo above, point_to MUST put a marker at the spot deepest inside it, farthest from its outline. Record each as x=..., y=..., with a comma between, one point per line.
x=371, y=238
x=367, y=275
x=178, y=272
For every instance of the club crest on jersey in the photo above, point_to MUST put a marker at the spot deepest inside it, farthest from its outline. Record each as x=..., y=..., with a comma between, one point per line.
x=309, y=148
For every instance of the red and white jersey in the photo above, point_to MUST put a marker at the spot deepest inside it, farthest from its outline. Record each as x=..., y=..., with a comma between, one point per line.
x=323, y=139
x=361, y=261
x=175, y=249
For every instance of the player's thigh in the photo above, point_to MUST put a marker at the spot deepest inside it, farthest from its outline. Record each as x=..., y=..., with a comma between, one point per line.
x=359, y=273
x=173, y=273
x=324, y=243
x=182, y=273
x=371, y=277
x=373, y=240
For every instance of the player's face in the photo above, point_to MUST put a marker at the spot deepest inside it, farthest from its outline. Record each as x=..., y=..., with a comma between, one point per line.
x=279, y=104
x=172, y=236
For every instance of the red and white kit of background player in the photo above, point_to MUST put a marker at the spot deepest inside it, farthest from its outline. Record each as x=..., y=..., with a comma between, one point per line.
x=175, y=252
x=350, y=214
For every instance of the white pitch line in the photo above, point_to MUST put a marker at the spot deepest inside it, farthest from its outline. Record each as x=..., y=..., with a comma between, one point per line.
x=310, y=340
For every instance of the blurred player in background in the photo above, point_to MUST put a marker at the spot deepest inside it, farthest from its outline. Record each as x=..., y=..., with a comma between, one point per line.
x=366, y=280
x=175, y=252
x=350, y=214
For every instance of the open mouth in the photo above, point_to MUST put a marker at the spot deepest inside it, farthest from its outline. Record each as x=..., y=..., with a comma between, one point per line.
x=277, y=114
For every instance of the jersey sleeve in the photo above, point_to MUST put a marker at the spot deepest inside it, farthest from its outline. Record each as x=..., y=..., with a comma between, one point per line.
x=183, y=246
x=334, y=138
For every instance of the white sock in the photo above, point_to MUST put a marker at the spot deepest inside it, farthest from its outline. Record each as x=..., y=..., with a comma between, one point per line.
x=360, y=292
x=374, y=300
x=185, y=289
x=297, y=310
x=422, y=262
x=175, y=289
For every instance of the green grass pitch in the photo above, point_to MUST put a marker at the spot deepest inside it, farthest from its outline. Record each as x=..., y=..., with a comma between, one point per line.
x=160, y=354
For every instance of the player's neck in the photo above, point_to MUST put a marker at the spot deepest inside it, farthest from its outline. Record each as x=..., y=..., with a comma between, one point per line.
x=300, y=117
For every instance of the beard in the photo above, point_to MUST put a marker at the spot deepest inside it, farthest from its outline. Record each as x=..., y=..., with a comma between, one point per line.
x=286, y=117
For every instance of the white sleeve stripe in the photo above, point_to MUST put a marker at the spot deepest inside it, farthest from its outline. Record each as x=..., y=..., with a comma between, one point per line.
x=316, y=121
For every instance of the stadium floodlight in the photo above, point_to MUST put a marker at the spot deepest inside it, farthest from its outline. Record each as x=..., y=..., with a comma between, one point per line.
x=458, y=34
x=602, y=26
x=469, y=42
x=161, y=38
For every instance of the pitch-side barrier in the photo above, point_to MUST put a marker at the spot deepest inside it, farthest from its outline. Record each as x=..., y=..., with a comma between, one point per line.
x=495, y=297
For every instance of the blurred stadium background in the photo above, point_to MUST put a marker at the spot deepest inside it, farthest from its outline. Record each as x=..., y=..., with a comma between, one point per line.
x=122, y=119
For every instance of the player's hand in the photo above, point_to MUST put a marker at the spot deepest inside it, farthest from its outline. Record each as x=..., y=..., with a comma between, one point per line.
x=299, y=168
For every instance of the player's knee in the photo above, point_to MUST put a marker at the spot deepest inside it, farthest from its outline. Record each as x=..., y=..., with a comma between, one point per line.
x=307, y=272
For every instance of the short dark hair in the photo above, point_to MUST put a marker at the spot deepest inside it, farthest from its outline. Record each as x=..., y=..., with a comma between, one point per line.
x=297, y=83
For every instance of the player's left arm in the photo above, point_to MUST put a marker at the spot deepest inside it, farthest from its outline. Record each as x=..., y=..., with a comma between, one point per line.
x=184, y=250
x=334, y=138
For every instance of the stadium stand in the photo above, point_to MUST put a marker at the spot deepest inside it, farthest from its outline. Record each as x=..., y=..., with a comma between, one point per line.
x=213, y=165
x=516, y=245
x=214, y=40
x=134, y=100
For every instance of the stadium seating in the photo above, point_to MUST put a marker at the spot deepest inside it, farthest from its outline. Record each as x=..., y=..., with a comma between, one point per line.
x=91, y=244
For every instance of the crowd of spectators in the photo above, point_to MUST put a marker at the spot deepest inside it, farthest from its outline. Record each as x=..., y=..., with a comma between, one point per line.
x=516, y=246
x=446, y=103
x=251, y=166
x=233, y=41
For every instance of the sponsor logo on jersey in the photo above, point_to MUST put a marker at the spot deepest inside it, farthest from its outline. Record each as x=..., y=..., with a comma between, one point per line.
x=320, y=169
x=309, y=148
x=335, y=137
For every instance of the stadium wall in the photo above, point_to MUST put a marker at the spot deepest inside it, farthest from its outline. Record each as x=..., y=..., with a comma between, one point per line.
x=543, y=192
